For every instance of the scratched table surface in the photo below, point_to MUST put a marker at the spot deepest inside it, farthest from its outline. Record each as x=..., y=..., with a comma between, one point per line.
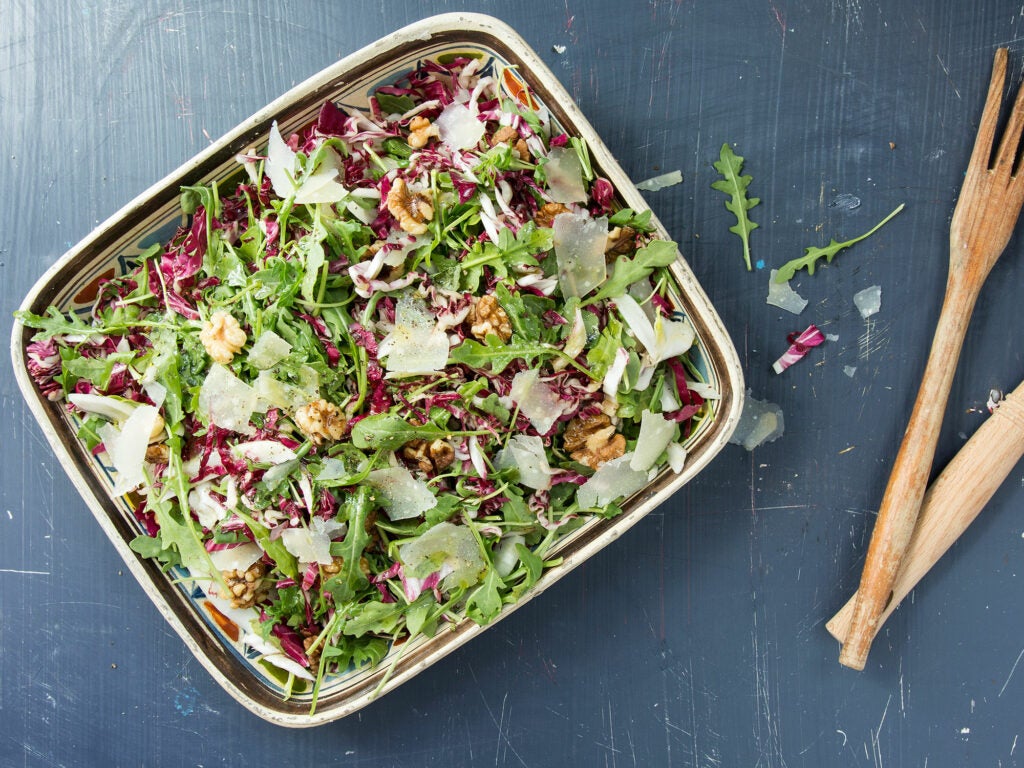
x=697, y=639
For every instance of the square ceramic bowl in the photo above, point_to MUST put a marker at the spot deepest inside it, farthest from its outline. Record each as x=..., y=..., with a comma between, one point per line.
x=153, y=216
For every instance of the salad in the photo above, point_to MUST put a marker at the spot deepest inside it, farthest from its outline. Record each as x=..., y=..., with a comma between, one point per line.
x=370, y=385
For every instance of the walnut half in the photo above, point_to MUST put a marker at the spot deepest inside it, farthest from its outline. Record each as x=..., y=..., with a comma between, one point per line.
x=420, y=131
x=593, y=441
x=436, y=456
x=506, y=134
x=545, y=216
x=620, y=240
x=320, y=421
x=486, y=316
x=412, y=210
x=222, y=337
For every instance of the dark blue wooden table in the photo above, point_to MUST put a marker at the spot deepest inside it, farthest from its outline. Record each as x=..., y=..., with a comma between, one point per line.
x=698, y=639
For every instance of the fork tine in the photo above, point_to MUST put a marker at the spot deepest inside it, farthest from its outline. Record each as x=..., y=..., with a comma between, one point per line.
x=989, y=116
x=1011, y=136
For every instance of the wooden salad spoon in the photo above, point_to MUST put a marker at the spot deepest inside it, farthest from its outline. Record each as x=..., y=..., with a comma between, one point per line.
x=984, y=218
x=954, y=500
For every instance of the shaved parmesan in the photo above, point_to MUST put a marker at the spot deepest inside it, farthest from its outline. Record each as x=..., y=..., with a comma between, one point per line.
x=403, y=496
x=676, y=457
x=781, y=295
x=476, y=456
x=662, y=339
x=268, y=350
x=280, y=164
x=760, y=422
x=579, y=250
x=706, y=391
x=126, y=446
x=208, y=509
x=505, y=554
x=227, y=401
x=264, y=451
x=613, y=480
x=536, y=400
x=565, y=176
x=458, y=127
x=236, y=558
x=656, y=433
x=613, y=377
x=416, y=345
x=156, y=391
x=309, y=545
x=868, y=301
x=661, y=181
x=526, y=453
x=316, y=187
x=271, y=392
x=445, y=547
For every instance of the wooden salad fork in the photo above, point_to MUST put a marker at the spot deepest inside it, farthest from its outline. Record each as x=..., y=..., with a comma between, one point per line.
x=986, y=212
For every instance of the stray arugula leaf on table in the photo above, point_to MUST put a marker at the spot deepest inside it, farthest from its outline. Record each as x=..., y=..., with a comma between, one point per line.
x=735, y=184
x=813, y=254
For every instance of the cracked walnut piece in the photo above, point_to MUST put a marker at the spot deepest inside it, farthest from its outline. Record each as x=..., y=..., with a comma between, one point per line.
x=429, y=457
x=486, y=316
x=545, y=217
x=222, y=337
x=320, y=420
x=420, y=131
x=593, y=441
x=506, y=134
x=245, y=587
x=621, y=240
x=412, y=210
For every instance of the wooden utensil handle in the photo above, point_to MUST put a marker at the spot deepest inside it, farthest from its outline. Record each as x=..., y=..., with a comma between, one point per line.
x=954, y=500
x=909, y=479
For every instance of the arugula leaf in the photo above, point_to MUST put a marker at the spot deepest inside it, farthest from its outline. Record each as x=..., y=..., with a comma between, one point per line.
x=53, y=323
x=393, y=105
x=496, y=353
x=388, y=431
x=351, y=579
x=492, y=405
x=628, y=270
x=811, y=255
x=274, y=547
x=88, y=432
x=355, y=651
x=730, y=165
x=484, y=602
x=418, y=616
x=177, y=533
x=374, y=616
x=583, y=154
x=533, y=564
x=527, y=324
x=289, y=607
x=206, y=196
x=627, y=217
x=154, y=547
x=96, y=369
x=311, y=248
x=601, y=356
